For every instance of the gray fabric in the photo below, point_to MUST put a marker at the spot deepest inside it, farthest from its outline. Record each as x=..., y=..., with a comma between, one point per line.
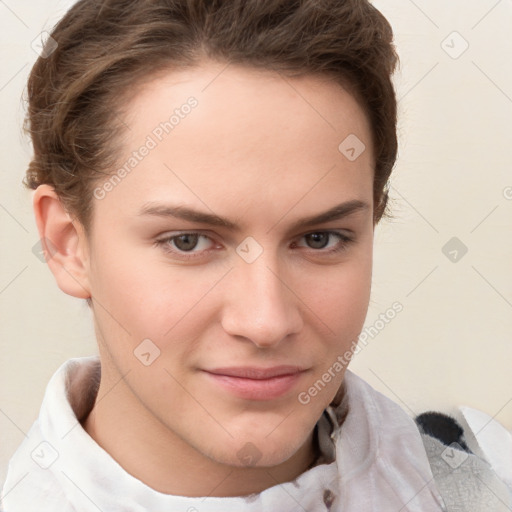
x=466, y=482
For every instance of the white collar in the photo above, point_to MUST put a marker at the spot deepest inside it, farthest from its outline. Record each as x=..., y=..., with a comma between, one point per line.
x=380, y=466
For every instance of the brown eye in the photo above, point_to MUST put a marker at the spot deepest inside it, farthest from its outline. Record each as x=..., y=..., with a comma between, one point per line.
x=318, y=240
x=327, y=242
x=186, y=245
x=186, y=242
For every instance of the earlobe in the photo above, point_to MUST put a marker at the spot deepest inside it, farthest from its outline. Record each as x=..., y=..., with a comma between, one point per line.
x=63, y=241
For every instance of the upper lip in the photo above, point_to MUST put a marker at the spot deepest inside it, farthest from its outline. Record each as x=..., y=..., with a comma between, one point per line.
x=252, y=372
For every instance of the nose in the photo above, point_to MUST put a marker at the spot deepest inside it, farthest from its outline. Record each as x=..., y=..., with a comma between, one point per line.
x=260, y=305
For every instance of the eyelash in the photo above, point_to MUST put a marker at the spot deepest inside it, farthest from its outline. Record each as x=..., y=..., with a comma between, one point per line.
x=164, y=243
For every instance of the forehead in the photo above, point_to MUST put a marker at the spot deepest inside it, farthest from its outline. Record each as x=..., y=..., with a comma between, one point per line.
x=225, y=134
x=231, y=96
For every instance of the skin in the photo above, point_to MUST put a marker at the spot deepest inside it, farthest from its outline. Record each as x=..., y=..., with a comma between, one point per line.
x=262, y=151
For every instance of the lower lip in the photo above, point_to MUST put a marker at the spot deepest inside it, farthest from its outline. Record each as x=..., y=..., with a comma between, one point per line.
x=257, y=389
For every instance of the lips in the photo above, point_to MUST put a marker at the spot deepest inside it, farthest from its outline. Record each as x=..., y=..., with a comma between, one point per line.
x=252, y=383
x=247, y=372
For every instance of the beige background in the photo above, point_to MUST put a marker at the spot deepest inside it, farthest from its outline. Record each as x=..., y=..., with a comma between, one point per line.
x=451, y=345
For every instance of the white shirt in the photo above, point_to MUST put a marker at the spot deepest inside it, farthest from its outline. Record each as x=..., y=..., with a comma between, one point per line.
x=380, y=464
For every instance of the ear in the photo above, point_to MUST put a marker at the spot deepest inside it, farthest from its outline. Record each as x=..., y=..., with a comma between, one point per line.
x=63, y=242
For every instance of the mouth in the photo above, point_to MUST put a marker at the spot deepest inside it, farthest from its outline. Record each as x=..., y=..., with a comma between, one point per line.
x=252, y=383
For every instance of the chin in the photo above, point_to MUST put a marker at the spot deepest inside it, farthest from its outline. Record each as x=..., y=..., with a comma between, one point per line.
x=258, y=453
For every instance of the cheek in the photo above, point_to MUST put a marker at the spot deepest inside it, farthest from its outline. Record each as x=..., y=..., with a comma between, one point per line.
x=340, y=295
x=339, y=303
x=140, y=295
x=340, y=308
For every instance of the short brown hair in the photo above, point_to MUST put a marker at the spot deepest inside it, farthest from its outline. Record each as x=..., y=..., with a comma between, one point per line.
x=107, y=48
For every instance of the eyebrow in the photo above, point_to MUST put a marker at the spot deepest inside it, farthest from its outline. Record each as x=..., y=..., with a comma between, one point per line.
x=337, y=212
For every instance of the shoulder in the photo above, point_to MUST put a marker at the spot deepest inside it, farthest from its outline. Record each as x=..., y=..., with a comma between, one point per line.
x=466, y=481
x=30, y=484
x=35, y=477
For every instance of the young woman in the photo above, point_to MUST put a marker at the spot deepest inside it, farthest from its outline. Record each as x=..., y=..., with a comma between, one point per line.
x=208, y=175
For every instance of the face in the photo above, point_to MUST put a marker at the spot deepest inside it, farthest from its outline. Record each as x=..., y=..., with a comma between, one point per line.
x=212, y=292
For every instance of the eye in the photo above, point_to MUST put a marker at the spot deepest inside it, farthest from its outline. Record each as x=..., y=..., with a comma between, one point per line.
x=189, y=245
x=319, y=240
x=184, y=243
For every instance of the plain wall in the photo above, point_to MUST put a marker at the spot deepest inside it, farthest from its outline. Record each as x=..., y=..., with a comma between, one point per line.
x=451, y=344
